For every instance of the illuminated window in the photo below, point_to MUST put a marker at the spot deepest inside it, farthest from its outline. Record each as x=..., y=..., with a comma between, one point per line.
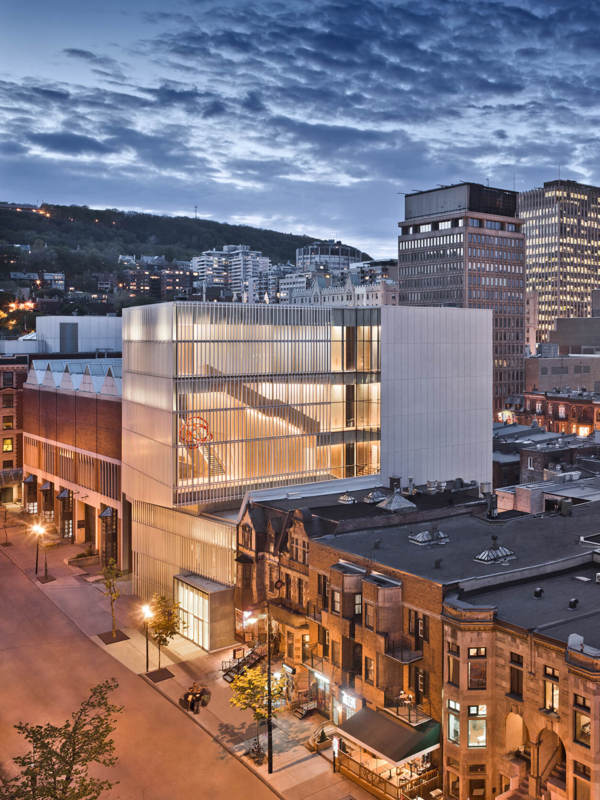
x=369, y=670
x=477, y=729
x=7, y=423
x=336, y=601
x=453, y=721
x=7, y=445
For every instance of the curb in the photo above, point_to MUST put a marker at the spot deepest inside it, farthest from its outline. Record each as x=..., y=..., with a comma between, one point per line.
x=214, y=738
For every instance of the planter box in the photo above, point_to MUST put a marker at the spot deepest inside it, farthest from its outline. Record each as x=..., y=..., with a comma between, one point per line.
x=84, y=561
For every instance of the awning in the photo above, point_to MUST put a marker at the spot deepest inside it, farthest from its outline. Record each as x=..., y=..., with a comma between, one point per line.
x=107, y=513
x=46, y=486
x=63, y=494
x=30, y=479
x=393, y=741
x=242, y=558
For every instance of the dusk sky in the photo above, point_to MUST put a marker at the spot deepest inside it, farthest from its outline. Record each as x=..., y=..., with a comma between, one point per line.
x=306, y=116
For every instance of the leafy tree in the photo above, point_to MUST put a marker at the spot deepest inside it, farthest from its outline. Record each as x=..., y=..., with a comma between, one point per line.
x=164, y=623
x=111, y=573
x=250, y=692
x=59, y=756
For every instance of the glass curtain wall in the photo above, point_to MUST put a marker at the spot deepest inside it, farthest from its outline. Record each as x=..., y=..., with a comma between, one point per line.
x=260, y=390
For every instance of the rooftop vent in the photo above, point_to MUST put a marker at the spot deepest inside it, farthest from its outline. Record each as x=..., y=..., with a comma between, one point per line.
x=396, y=502
x=433, y=536
x=573, y=603
x=375, y=496
x=496, y=554
x=347, y=499
x=538, y=591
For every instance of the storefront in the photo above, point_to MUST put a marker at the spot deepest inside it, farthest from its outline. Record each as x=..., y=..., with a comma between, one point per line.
x=398, y=760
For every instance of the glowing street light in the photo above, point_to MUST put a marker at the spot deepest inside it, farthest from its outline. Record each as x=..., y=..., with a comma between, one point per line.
x=39, y=531
x=147, y=612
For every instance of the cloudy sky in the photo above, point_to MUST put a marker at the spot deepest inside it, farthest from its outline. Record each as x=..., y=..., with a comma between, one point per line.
x=299, y=115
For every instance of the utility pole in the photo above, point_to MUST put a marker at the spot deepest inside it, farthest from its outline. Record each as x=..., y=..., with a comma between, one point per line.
x=195, y=212
x=269, y=697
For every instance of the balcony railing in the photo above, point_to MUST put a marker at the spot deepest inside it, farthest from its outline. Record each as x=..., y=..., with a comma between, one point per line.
x=311, y=659
x=314, y=609
x=401, y=650
x=403, y=790
x=404, y=707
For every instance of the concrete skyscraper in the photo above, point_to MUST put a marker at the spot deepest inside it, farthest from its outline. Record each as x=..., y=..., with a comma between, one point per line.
x=463, y=246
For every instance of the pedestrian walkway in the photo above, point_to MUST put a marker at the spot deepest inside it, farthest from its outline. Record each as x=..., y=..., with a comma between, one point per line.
x=298, y=773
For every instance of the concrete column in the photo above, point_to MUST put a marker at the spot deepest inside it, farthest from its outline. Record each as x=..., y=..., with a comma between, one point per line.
x=78, y=516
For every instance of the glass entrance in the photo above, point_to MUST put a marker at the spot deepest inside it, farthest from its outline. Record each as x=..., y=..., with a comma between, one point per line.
x=194, y=613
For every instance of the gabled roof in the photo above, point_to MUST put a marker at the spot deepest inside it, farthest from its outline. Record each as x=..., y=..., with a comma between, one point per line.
x=92, y=376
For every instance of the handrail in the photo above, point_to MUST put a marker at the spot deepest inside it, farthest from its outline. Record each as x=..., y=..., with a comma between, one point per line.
x=549, y=764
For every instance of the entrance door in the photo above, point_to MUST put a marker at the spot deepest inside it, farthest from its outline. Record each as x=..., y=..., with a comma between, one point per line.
x=6, y=494
x=90, y=524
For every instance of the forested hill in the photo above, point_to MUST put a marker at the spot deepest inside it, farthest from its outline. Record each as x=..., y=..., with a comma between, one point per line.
x=77, y=237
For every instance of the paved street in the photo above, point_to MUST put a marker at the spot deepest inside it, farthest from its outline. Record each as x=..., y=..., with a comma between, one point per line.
x=47, y=666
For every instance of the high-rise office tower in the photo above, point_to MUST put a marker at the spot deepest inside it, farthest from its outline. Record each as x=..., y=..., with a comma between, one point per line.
x=463, y=246
x=561, y=222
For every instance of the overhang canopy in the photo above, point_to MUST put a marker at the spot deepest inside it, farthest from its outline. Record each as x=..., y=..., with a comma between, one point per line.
x=393, y=741
x=107, y=513
x=290, y=618
x=45, y=487
x=30, y=479
x=63, y=494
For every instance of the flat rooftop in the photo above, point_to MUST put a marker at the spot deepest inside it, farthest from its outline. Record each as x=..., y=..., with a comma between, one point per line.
x=535, y=541
x=517, y=604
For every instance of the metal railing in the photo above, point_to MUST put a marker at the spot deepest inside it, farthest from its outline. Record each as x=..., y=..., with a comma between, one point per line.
x=412, y=788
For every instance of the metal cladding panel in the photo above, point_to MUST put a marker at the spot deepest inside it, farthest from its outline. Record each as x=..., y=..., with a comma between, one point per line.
x=436, y=393
x=440, y=201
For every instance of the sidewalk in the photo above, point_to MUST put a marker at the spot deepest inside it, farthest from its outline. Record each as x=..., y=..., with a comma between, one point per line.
x=297, y=774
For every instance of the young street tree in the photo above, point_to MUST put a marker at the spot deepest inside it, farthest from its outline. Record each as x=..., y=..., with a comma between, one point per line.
x=110, y=574
x=59, y=756
x=250, y=692
x=165, y=622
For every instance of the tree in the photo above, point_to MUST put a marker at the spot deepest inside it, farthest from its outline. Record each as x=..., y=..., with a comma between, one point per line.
x=164, y=623
x=59, y=756
x=250, y=692
x=110, y=573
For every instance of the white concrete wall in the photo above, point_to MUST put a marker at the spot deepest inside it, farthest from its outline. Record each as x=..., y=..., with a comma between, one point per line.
x=94, y=333
x=436, y=393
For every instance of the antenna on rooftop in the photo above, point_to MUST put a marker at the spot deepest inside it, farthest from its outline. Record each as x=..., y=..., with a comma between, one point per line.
x=195, y=212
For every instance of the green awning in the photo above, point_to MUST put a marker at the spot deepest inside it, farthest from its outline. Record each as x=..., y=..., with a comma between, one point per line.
x=393, y=741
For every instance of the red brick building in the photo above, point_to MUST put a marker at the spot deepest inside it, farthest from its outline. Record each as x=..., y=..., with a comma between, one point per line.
x=13, y=373
x=561, y=411
x=72, y=452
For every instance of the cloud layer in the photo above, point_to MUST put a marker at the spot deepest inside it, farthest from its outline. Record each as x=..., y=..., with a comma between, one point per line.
x=309, y=115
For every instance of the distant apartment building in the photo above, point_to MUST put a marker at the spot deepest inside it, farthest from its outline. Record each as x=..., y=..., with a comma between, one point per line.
x=236, y=266
x=463, y=246
x=576, y=335
x=288, y=284
x=561, y=222
x=72, y=452
x=327, y=257
x=546, y=373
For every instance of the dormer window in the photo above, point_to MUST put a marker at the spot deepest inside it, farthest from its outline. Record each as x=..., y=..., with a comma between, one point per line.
x=245, y=536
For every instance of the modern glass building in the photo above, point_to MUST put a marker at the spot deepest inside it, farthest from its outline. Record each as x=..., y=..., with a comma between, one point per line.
x=220, y=398
x=562, y=229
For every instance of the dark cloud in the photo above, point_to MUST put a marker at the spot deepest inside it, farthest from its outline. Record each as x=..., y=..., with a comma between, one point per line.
x=71, y=144
x=318, y=112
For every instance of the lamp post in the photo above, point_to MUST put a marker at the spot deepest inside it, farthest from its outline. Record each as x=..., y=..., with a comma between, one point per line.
x=278, y=585
x=147, y=612
x=39, y=532
x=269, y=696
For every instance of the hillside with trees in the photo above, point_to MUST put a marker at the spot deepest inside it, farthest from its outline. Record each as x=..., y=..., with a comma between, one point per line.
x=81, y=240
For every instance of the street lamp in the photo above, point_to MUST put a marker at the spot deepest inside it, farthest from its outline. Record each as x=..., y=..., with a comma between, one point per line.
x=278, y=585
x=147, y=612
x=39, y=532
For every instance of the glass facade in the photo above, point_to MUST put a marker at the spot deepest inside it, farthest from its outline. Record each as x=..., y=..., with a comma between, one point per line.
x=193, y=612
x=562, y=227
x=259, y=395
